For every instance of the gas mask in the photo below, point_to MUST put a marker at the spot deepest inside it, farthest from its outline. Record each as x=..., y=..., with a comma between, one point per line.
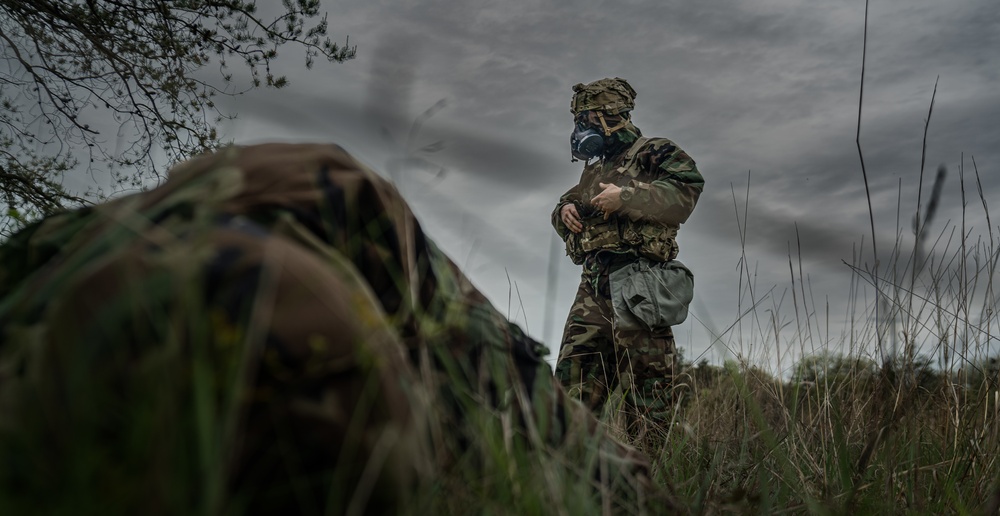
x=586, y=142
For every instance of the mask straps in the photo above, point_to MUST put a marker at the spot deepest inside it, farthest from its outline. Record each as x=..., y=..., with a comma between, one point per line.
x=609, y=130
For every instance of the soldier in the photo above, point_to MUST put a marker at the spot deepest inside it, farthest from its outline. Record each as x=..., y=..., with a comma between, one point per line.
x=620, y=223
x=269, y=331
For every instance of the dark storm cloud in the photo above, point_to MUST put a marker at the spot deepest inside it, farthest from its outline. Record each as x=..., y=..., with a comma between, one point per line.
x=502, y=161
x=765, y=88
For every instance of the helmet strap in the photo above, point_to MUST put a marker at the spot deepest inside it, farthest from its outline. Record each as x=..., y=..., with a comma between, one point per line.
x=609, y=130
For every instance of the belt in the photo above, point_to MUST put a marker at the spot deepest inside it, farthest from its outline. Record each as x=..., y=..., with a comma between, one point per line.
x=611, y=261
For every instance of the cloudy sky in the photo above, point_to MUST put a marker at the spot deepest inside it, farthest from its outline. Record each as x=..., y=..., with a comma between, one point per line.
x=764, y=95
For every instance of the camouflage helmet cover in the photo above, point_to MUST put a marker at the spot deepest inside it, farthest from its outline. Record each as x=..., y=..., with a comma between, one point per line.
x=612, y=96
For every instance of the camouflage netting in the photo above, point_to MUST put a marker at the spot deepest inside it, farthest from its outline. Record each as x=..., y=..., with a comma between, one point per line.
x=612, y=96
x=268, y=331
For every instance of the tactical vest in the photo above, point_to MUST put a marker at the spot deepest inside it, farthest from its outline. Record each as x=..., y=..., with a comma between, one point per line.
x=619, y=233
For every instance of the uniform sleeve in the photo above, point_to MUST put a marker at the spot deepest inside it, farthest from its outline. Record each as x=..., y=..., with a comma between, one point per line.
x=671, y=197
x=571, y=196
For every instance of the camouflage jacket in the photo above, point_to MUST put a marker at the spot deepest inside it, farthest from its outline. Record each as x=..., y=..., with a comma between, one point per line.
x=666, y=185
x=274, y=319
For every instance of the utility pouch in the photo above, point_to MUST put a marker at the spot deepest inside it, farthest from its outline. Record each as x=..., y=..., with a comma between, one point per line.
x=599, y=234
x=573, y=249
x=651, y=296
x=658, y=243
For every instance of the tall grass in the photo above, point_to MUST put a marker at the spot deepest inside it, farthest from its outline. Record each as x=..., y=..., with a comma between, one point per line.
x=855, y=427
x=868, y=431
x=918, y=432
x=897, y=413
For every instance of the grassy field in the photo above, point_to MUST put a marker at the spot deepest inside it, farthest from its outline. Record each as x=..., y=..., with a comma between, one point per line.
x=906, y=420
x=898, y=413
x=841, y=436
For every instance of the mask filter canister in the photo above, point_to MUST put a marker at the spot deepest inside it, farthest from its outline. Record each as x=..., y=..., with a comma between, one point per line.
x=586, y=143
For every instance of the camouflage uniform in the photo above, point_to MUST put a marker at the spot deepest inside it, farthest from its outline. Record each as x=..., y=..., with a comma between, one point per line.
x=595, y=356
x=268, y=331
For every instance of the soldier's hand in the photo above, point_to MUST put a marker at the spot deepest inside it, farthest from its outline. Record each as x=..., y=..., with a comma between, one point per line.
x=609, y=201
x=571, y=218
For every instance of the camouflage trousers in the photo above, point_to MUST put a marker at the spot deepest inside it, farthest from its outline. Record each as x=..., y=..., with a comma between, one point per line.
x=595, y=357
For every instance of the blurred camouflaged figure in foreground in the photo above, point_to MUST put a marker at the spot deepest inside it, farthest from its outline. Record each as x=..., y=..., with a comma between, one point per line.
x=623, y=215
x=269, y=331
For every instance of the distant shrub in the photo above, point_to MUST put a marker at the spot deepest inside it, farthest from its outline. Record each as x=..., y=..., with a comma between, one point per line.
x=832, y=368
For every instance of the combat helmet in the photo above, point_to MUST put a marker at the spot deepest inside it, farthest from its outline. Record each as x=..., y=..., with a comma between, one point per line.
x=611, y=96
